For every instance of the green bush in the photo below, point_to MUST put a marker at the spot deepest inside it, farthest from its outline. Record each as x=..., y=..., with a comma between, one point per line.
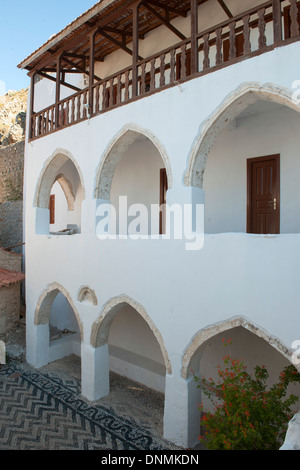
x=247, y=415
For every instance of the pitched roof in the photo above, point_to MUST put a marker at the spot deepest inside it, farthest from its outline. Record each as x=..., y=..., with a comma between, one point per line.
x=116, y=17
x=8, y=278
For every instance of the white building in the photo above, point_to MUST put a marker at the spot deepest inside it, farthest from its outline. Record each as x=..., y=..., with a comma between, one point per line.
x=190, y=103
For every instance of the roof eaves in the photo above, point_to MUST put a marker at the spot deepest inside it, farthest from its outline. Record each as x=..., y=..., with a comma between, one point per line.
x=53, y=40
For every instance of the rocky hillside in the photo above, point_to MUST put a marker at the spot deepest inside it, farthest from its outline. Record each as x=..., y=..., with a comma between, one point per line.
x=13, y=106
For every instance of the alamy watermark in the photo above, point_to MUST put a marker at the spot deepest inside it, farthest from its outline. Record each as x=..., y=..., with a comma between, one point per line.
x=141, y=222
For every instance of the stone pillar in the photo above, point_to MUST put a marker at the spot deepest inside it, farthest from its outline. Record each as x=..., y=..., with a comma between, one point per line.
x=182, y=416
x=94, y=372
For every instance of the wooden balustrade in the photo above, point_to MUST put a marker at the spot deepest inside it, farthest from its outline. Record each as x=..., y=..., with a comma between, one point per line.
x=253, y=32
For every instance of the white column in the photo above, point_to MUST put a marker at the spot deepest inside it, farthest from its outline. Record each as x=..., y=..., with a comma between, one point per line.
x=94, y=372
x=182, y=415
x=37, y=345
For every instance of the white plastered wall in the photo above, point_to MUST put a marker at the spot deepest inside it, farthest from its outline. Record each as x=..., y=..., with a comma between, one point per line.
x=234, y=275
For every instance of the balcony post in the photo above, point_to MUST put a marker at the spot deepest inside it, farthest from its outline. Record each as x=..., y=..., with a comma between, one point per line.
x=277, y=24
x=30, y=135
x=194, y=32
x=135, y=48
x=57, y=90
x=91, y=71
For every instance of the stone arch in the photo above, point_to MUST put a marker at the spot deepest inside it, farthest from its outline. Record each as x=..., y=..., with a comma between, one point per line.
x=100, y=329
x=121, y=142
x=51, y=173
x=43, y=308
x=194, y=350
x=236, y=102
x=66, y=186
x=87, y=295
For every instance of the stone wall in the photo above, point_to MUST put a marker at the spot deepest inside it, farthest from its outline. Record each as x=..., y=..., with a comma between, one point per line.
x=11, y=225
x=9, y=308
x=11, y=196
x=11, y=172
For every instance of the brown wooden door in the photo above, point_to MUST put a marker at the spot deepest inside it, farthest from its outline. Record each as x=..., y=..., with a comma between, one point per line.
x=163, y=200
x=263, y=195
x=52, y=209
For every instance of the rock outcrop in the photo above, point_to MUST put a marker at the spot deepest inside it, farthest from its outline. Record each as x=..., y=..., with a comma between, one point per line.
x=13, y=107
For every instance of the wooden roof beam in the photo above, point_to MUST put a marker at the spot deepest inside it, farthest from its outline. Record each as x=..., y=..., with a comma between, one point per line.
x=116, y=42
x=78, y=67
x=168, y=8
x=164, y=21
x=122, y=33
x=225, y=8
x=62, y=82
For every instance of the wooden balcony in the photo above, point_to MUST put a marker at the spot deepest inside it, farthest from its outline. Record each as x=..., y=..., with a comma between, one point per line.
x=272, y=24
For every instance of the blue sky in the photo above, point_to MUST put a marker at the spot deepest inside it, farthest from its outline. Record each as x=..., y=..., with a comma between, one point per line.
x=25, y=26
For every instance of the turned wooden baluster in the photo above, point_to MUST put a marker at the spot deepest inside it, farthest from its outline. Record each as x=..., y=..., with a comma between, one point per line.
x=246, y=32
x=119, y=89
x=294, y=18
x=111, y=92
x=219, y=56
x=172, y=66
x=104, y=96
x=127, y=85
x=183, y=61
x=143, y=79
x=206, y=61
x=162, y=80
x=152, y=75
x=78, y=107
x=232, y=44
x=262, y=40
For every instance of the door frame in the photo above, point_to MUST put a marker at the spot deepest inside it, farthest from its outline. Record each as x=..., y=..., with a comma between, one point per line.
x=250, y=161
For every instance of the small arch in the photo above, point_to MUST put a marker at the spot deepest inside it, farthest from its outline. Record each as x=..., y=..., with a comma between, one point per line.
x=50, y=173
x=194, y=350
x=235, y=103
x=100, y=329
x=111, y=157
x=87, y=295
x=43, y=308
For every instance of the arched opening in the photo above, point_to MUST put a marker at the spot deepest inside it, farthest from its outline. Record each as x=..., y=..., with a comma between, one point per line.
x=59, y=195
x=136, y=348
x=243, y=341
x=246, y=161
x=133, y=179
x=57, y=311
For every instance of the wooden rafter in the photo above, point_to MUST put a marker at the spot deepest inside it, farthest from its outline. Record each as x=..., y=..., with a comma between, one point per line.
x=78, y=67
x=116, y=42
x=62, y=82
x=122, y=33
x=225, y=8
x=167, y=8
x=164, y=21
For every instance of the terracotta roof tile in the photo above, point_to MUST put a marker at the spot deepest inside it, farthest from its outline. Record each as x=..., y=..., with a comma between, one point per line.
x=8, y=278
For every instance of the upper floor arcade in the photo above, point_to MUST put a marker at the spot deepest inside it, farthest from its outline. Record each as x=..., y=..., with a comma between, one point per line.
x=120, y=51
